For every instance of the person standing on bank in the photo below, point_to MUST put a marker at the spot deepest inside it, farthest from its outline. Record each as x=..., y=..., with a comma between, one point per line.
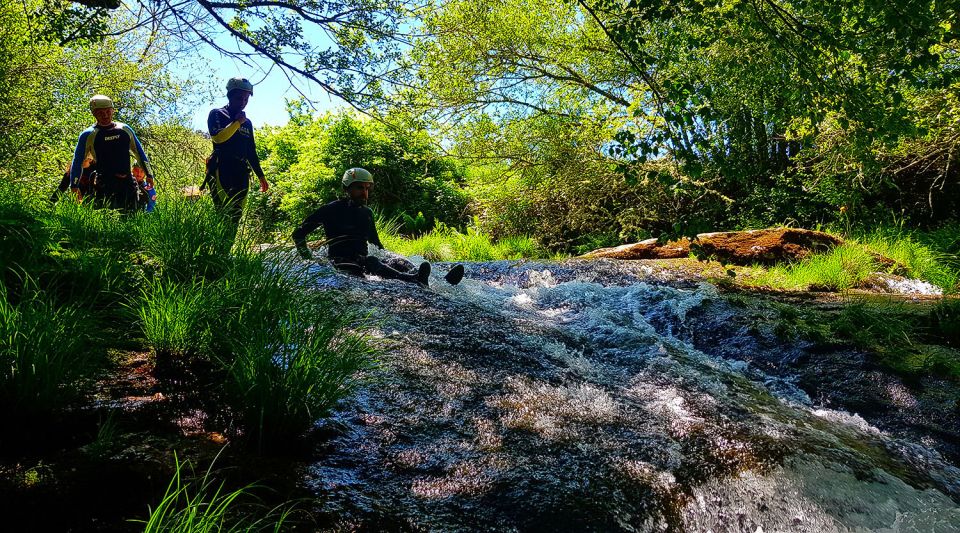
x=234, y=152
x=349, y=226
x=103, y=152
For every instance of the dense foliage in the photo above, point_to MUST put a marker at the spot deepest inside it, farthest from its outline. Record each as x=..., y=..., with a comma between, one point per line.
x=414, y=182
x=732, y=113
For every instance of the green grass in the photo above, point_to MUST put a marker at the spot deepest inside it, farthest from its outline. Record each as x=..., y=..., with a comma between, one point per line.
x=290, y=352
x=46, y=355
x=908, y=340
x=839, y=269
x=203, y=505
x=444, y=243
x=914, y=341
x=175, y=317
x=80, y=225
x=186, y=239
x=23, y=236
x=921, y=260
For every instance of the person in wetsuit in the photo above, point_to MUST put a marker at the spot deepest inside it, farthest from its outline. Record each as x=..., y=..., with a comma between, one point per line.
x=349, y=226
x=234, y=152
x=104, y=150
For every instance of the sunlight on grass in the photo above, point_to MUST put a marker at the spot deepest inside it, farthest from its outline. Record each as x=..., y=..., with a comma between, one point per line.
x=920, y=260
x=444, y=243
x=839, y=269
x=201, y=505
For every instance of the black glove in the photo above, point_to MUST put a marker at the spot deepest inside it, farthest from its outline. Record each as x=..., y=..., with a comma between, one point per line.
x=304, y=251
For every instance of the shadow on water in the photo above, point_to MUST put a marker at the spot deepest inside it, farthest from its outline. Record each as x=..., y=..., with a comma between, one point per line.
x=583, y=396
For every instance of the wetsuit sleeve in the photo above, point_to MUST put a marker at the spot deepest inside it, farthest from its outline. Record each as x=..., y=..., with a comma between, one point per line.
x=76, y=167
x=308, y=226
x=137, y=150
x=373, y=237
x=220, y=134
x=252, y=157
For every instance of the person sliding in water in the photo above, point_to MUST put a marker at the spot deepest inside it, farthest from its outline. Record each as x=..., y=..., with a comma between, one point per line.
x=349, y=226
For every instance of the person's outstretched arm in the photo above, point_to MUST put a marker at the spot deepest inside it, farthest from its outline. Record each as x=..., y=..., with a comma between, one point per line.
x=309, y=225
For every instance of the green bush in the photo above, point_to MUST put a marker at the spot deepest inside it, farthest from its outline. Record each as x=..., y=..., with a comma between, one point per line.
x=310, y=154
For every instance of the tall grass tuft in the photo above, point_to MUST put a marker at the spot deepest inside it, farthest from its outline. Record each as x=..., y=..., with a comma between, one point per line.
x=98, y=278
x=839, y=269
x=23, y=236
x=186, y=238
x=921, y=260
x=898, y=337
x=203, y=505
x=290, y=353
x=946, y=321
x=444, y=243
x=80, y=225
x=176, y=317
x=45, y=355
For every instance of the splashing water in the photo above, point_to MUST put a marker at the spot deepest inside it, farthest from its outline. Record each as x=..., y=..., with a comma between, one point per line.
x=582, y=396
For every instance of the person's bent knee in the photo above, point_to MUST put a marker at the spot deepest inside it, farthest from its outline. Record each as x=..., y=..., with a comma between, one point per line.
x=372, y=264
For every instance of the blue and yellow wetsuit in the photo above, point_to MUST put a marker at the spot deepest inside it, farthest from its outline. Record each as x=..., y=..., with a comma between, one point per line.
x=108, y=149
x=234, y=154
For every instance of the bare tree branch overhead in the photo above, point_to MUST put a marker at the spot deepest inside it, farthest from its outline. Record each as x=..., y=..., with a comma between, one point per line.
x=350, y=48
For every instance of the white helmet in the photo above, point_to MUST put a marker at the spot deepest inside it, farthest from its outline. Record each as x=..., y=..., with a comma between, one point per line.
x=356, y=174
x=239, y=83
x=100, y=101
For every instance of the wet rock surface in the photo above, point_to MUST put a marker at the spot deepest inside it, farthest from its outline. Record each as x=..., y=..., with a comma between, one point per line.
x=608, y=396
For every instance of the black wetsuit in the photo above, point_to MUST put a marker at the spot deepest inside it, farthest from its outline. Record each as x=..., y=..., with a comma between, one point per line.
x=349, y=227
x=234, y=154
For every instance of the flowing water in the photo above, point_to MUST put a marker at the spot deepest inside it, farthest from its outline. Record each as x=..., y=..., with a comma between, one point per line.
x=589, y=396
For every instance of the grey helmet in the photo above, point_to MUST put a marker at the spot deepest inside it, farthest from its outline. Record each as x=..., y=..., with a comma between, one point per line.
x=356, y=174
x=100, y=101
x=239, y=83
